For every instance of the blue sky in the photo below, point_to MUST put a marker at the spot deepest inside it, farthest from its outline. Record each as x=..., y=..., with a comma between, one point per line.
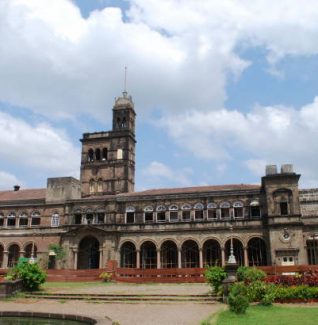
x=220, y=88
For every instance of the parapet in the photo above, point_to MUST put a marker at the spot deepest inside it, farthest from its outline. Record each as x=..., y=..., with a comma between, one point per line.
x=61, y=189
x=285, y=169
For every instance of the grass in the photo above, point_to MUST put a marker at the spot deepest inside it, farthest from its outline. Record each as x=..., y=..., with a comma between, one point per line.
x=273, y=315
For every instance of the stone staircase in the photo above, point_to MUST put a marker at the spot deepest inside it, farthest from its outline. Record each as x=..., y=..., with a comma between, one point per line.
x=126, y=298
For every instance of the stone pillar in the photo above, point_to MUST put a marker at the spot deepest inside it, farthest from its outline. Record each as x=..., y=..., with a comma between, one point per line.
x=179, y=259
x=75, y=251
x=223, y=256
x=21, y=253
x=101, y=258
x=138, y=259
x=158, y=259
x=245, y=256
x=5, y=259
x=201, y=258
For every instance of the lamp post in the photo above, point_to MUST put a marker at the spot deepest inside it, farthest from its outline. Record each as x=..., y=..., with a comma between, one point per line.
x=232, y=259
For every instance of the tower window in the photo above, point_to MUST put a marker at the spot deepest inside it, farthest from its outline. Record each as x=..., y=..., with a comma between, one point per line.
x=100, y=186
x=90, y=156
x=97, y=154
x=124, y=123
x=119, y=153
x=283, y=208
x=105, y=154
x=91, y=186
x=118, y=122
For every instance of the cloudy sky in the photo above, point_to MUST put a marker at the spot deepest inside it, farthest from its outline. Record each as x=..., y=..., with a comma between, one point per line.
x=221, y=87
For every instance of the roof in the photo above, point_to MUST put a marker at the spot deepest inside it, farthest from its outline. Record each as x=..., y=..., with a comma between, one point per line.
x=194, y=189
x=22, y=195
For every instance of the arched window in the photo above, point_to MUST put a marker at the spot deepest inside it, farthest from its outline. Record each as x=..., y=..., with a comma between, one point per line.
x=55, y=220
x=161, y=213
x=212, y=211
x=1, y=219
x=169, y=255
x=148, y=253
x=30, y=250
x=148, y=214
x=257, y=255
x=225, y=210
x=100, y=186
x=212, y=253
x=190, y=254
x=78, y=217
x=130, y=214
x=238, y=210
x=238, y=251
x=173, y=213
x=119, y=154
x=23, y=220
x=124, y=123
x=128, y=255
x=11, y=219
x=118, y=122
x=105, y=154
x=255, y=210
x=198, y=212
x=97, y=154
x=92, y=186
x=186, y=212
x=100, y=212
x=13, y=255
x=90, y=155
x=89, y=216
x=35, y=218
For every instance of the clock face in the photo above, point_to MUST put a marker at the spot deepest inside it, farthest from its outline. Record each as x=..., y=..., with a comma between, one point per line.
x=286, y=236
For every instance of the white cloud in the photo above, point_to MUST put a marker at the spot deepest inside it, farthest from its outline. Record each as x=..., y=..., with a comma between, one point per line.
x=37, y=146
x=265, y=134
x=7, y=181
x=159, y=173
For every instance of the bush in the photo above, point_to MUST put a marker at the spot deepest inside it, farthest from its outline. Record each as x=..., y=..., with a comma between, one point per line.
x=214, y=276
x=250, y=274
x=268, y=299
x=106, y=276
x=238, y=300
x=31, y=274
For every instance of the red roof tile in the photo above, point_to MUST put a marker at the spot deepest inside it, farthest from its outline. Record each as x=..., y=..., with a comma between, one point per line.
x=21, y=195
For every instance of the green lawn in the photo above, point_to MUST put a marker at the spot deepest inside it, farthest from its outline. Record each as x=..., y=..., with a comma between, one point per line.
x=274, y=315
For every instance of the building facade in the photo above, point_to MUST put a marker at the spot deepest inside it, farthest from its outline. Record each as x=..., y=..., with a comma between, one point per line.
x=101, y=218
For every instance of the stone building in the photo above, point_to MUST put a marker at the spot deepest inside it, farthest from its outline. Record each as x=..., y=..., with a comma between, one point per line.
x=100, y=218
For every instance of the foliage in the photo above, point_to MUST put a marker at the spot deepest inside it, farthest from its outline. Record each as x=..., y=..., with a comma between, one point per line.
x=238, y=300
x=309, y=278
x=106, y=276
x=268, y=299
x=250, y=274
x=214, y=275
x=31, y=274
x=58, y=250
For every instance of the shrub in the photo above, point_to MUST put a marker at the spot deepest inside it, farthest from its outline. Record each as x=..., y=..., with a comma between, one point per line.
x=268, y=299
x=250, y=274
x=214, y=276
x=106, y=276
x=238, y=300
x=31, y=274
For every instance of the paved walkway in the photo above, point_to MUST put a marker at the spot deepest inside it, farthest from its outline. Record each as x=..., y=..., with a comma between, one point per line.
x=126, y=314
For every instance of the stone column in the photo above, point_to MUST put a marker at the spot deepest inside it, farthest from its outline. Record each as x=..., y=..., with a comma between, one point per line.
x=179, y=259
x=138, y=259
x=21, y=253
x=201, y=258
x=245, y=256
x=158, y=259
x=223, y=256
x=101, y=258
x=75, y=252
x=5, y=259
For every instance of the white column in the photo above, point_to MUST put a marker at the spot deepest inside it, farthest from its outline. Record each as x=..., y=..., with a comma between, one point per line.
x=75, y=251
x=5, y=259
x=179, y=259
x=245, y=256
x=101, y=258
x=138, y=259
x=201, y=258
x=223, y=256
x=158, y=259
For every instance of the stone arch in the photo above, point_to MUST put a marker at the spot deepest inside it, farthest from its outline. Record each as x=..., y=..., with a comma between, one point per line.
x=193, y=239
x=237, y=248
x=212, y=252
x=257, y=252
x=88, y=253
x=147, y=240
x=170, y=239
x=13, y=254
x=148, y=255
x=190, y=254
x=169, y=254
x=128, y=254
x=28, y=248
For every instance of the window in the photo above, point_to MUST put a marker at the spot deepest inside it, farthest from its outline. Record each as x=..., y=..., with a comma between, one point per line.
x=119, y=154
x=198, y=211
x=212, y=211
x=35, y=218
x=255, y=209
x=91, y=186
x=100, y=186
x=90, y=155
x=186, y=212
x=97, y=154
x=11, y=220
x=130, y=215
x=23, y=220
x=238, y=210
x=148, y=214
x=1, y=220
x=105, y=154
x=173, y=213
x=283, y=208
x=55, y=220
x=225, y=210
x=161, y=213
x=77, y=218
x=100, y=217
